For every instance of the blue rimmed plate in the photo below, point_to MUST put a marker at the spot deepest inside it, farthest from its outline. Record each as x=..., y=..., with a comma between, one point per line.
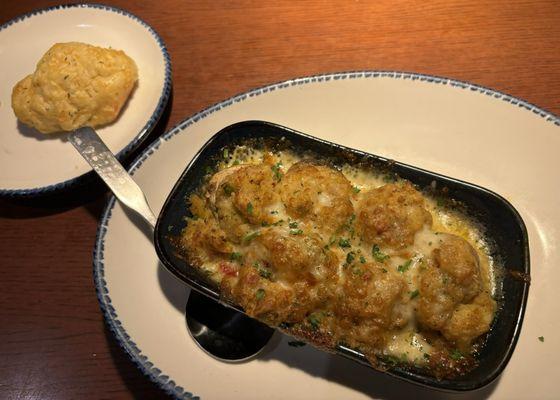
x=453, y=128
x=33, y=164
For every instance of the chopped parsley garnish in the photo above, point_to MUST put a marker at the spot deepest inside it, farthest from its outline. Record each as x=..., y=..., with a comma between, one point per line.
x=296, y=231
x=390, y=178
x=228, y=189
x=260, y=294
x=236, y=162
x=277, y=171
x=456, y=354
x=541, y=339
x=362, y=259
x=250, y=208
x=378, y=254
x=226, y=153
x=359, y=272
x=279, y=222
x=427, y=356
x=391, y=360
x=315, y=319
x=274, y=212
x=264, y=272
x=293, y=224
x=350, y=257
x=414, y=294
x=384, y=270
x=356, y=189
x=404, y=267
x=344, y=243
x=296, y=343
x=235, y=256
x=250, y=236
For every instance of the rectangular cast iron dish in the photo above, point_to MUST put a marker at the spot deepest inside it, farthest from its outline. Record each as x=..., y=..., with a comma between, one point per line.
x=503, y=224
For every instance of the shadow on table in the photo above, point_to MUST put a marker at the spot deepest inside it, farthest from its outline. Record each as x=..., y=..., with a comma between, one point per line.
x=90, y=189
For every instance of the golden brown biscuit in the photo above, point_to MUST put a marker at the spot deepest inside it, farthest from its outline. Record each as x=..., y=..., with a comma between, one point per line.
x=74, y=85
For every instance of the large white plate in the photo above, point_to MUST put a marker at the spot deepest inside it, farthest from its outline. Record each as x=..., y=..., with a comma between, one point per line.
x=32, y=163
x=450, y=127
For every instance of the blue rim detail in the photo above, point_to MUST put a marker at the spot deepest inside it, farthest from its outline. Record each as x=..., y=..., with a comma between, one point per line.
x=150, y=124
x=111, y=317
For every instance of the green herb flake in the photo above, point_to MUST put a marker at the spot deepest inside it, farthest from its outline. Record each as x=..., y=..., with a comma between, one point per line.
x=414, y=294
x=296, y=231
x=277, y=171
x=426, y=356
x=384, y=270
x=235, y=256
x=315, y=319
x=344, y=243
x=250, y=236
x=391, y=360
x=390, y=178
x=378, y=254
x=456, y=354
x=404, y=267
x=260, y=294
x=236, y=162
x=279, y=222
x=228, y=189
x=226, y=153
x=250, y=208
x=541, y=339
x=293, y=224
x=350, y=257
x=274, y=212
x=356, y=189
x=296, y=343
x=263, y=272
x=359, y=272
x=362, y=259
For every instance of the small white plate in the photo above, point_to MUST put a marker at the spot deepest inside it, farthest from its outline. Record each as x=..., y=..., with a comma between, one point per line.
x=453, y=128
x=32, y=163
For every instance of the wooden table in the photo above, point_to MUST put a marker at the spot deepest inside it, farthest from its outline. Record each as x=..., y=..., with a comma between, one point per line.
x=53, y=341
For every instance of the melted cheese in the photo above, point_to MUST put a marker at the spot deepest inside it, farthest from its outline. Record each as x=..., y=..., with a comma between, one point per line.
x=405, y=344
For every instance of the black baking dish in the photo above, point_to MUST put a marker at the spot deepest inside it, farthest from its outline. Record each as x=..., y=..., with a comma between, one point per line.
x=502, y=223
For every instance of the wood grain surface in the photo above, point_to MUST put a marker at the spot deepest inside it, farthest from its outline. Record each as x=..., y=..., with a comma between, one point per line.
x=53, y=340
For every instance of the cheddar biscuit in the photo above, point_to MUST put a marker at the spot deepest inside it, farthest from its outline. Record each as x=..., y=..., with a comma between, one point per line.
x=75, y=85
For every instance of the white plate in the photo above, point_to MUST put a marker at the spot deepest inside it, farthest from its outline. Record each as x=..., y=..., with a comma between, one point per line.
x=32, y=163
x=449, y=127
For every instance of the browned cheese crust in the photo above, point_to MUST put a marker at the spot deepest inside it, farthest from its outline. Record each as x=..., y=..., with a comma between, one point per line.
x=391, y=214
